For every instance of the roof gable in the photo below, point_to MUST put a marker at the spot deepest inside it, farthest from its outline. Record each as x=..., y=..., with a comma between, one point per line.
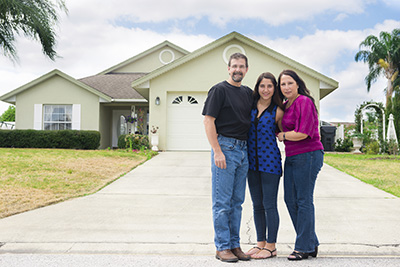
x=166, y=47
x=328, y=84
x=10, y=97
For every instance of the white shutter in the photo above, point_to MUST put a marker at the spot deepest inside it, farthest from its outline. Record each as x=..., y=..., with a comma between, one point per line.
x=37, y=117
x=76, y=116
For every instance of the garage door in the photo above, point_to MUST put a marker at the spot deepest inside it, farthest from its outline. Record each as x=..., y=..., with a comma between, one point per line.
x=185, y=128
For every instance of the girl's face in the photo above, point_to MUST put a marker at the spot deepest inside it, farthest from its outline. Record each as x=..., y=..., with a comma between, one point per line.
x=266, y=89
x=289, y=87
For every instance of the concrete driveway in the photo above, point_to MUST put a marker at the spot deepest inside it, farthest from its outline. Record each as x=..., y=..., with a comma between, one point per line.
x=163, y=207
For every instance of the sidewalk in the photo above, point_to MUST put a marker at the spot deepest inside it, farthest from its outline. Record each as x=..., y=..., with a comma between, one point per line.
x=163, y=207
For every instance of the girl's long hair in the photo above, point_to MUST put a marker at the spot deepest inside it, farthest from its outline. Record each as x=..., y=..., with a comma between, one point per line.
x=277, y=97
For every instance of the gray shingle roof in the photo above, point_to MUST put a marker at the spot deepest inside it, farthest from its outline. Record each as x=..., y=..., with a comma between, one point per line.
x=115, y=85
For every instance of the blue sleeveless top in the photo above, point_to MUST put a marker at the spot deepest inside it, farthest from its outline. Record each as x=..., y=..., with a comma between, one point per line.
x=263, y=151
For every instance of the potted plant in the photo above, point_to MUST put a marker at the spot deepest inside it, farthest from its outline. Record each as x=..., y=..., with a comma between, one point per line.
x=154, y=138
x=357, y=139
x=130, y=119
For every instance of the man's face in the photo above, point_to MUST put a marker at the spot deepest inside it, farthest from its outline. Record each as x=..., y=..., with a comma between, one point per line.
x=237, y=70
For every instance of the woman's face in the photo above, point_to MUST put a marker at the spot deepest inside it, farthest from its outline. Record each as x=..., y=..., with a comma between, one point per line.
x=266, y=89
x=289, y=87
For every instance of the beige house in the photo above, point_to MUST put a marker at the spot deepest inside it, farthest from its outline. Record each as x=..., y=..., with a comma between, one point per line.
x=165, y=87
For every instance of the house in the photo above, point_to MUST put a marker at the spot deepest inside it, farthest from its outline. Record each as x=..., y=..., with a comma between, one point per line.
x=165, y=87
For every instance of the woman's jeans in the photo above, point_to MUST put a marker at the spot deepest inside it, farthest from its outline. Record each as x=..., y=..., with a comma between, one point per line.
x=299, y=181
x=228, y=192
x=264, y=193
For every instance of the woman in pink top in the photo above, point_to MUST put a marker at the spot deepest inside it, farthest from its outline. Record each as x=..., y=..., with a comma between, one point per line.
x=304, y=159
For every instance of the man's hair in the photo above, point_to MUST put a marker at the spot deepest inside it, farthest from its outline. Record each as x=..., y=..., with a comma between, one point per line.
x=238, y=56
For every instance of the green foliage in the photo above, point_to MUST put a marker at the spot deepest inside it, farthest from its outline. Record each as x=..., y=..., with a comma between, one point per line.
x=9, y=114
x=394, y=108
x=71, y=139
x=31, y=18
x=134, y=141
x=390, y=147
x=383, y=57
x=373, y=118
x=372, y=148
x=344, y=145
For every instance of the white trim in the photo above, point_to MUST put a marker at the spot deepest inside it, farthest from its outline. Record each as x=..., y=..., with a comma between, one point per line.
x=130, y=100
x=76, y=117
x=323, y=85
x=37, y=116
x=226, y=59
x=172, y=56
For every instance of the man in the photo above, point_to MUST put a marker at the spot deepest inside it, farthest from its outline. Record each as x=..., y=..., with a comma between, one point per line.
x=227, y=121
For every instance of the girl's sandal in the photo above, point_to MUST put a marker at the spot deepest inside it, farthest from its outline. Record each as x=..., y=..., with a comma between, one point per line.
x=271, y=255
x=297, y=256
x=253, y=251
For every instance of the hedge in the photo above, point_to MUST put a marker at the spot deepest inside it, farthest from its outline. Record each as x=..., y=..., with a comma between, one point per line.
x=70, y=139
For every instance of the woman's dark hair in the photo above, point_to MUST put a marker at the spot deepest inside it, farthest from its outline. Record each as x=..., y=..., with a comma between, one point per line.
x=302, y=85
x=277, y=97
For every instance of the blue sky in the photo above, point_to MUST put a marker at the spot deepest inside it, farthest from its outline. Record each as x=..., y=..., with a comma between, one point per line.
x=323, y=35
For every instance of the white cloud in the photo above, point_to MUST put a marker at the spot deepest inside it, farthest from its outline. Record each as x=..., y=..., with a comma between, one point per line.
x=218, y=12
x=341, y=17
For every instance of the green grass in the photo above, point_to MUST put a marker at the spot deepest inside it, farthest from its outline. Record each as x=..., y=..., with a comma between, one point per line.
x=381, y=171
x=32, y=178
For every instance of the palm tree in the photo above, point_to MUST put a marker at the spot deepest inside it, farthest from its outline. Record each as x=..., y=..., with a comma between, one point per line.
x=32, y=18
x=383, y=57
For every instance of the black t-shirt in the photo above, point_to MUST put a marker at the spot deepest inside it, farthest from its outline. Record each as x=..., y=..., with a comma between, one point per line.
x=231, y=108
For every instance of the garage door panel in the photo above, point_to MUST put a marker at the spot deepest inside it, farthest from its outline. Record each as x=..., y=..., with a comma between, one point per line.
x=185, y=129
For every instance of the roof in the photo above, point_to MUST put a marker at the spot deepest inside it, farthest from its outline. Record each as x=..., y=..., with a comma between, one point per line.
x=328, y=83
x=143, y=54
x=10, y=96
x=115, y=85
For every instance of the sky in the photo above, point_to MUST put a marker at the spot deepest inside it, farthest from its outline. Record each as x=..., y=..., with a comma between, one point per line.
x=323, y=35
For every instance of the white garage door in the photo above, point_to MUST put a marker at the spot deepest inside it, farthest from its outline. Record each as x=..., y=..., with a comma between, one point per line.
x=185, y=128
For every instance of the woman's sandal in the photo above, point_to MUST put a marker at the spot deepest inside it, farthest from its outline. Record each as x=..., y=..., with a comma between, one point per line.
x=271, y=255
x=298, y=256
x=253, y=250
x=315, y=253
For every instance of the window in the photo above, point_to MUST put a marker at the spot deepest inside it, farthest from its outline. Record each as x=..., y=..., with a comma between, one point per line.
x=192, y=100
x=57, y=117
x=178, y=100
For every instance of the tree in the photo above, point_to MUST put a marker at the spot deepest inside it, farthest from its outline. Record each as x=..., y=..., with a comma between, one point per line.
x=383, y=57
x=9, y=114
x=32, y=18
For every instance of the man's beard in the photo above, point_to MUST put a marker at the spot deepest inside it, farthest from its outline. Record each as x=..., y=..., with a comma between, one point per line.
x=238, y=78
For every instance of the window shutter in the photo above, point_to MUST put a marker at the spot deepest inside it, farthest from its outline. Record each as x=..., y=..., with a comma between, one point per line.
x=37, y=116
x=76, y=116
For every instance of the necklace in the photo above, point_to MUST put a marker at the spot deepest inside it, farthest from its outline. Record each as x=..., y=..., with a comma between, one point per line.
x=289, y=103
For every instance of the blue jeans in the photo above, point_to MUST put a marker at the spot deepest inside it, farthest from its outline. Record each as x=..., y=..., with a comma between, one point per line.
x=300, y=174
x=228, y=192
x=264, y=193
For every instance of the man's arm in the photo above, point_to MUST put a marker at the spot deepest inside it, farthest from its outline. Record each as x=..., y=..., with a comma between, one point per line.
x=212, y=136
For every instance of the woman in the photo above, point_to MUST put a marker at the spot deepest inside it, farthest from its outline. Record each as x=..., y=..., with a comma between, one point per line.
x=265, y=168
x=304, y=159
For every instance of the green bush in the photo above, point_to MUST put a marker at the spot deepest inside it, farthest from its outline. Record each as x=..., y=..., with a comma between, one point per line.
x=343, y=145
x=134, y=141
x=71, y=139
x=372, y=148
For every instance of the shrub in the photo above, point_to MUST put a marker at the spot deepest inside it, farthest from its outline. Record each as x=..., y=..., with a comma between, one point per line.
x=343, y=145
x=72, y=139
x=372, y=148
x=134, y=141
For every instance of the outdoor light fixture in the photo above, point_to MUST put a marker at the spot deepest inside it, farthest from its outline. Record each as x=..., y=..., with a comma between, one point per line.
x=157, y=101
